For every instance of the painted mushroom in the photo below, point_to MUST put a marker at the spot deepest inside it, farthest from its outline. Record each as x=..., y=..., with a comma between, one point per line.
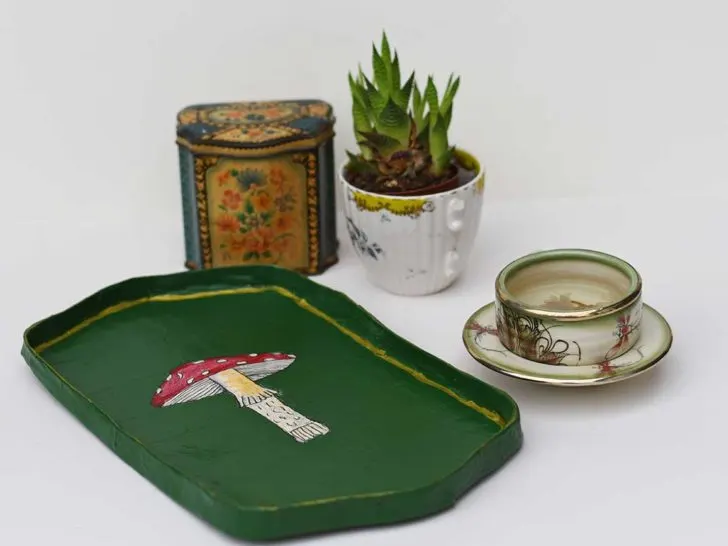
x=238, y=375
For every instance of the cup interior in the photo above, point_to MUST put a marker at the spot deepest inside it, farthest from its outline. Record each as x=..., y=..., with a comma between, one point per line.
x=563, y=282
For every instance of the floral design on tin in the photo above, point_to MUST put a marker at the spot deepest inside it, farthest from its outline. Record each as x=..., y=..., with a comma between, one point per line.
x=256, y=214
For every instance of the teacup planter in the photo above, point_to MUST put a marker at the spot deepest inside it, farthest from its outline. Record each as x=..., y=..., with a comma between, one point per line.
x=411, y=201
x=415, y=245
x=568, y=317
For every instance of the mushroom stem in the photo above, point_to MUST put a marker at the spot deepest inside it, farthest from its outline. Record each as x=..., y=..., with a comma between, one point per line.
x=245, y=391
x=262, y=401
x=289, y=420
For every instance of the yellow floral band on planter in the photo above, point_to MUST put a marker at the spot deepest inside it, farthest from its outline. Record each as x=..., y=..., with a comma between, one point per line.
x=258, y=184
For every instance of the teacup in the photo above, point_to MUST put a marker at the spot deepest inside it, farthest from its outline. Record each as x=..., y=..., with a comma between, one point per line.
x=415, y=245
x=569, y=307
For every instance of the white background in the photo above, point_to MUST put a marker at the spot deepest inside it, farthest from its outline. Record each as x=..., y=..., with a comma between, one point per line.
x=602, y=125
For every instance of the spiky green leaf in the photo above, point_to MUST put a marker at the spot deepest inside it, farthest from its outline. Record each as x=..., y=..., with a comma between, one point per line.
x=377, y=102
x=393, y=121
x=360, y=116
x=439, y=148
x=381, y=145
x=448, y=117
x=404, y=94
x=395, y=77
x=358, y=92
x=418, y=107
x=386, y=52
x=381, y=77
x=449, y=95
x=360, y=164
x=423, y=135
x=431, y=98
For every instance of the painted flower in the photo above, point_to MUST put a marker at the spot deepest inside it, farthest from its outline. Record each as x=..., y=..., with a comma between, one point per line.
x=223, y=178
x=251, y=221
x=227, y=223
x=249, y=178
x=237, y=245
x=284, y=202
x=259, y=240
x=231, y=199
x=606, y=368
x=277, y=179
x=253, y=244
x=262, y=201
x=281, y=244
x=283, y=222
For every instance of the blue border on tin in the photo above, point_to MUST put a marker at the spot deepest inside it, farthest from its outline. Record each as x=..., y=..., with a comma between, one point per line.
x=193, y=252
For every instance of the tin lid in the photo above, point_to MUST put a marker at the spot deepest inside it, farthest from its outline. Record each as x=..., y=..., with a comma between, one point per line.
x=293, y=124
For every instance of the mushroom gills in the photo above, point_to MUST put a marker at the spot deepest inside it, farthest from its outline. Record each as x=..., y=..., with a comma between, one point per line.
x=196, y=391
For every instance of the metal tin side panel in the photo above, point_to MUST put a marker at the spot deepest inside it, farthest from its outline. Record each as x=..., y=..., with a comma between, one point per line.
x=189, y=209
x=328, y=243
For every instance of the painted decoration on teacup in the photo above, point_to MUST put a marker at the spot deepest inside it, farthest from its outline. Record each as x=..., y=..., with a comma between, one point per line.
x=238, y=376
x=529, y=337
x=607, y=367
x=626, y=328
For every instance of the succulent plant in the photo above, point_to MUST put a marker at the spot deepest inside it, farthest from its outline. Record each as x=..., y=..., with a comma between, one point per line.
x=402, y=133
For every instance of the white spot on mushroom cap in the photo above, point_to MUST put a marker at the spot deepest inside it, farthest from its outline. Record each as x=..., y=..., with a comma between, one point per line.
x=190, y=380
x=242, y=361
x=198, y=361
x=291, y=356
x=253, y=354
x=159, y=390
x=222, y=360
x=268, y=359
x=205, y=372
x=169, y=377
x=179, y=374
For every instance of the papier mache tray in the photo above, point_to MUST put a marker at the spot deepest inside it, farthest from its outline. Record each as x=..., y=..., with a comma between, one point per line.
x=269, y=405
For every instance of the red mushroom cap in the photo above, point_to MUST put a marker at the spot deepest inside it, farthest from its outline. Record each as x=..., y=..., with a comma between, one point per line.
x=191, y=380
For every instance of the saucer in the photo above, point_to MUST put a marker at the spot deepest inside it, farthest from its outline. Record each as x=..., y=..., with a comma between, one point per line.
x=481, y=339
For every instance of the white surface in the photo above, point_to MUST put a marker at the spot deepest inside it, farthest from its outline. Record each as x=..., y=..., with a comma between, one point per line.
x=603, y=125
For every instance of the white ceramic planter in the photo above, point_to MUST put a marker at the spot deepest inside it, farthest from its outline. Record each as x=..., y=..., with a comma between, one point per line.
x=415, y=245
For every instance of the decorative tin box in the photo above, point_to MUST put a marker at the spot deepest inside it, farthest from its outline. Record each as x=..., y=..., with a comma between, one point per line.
x=258, y=184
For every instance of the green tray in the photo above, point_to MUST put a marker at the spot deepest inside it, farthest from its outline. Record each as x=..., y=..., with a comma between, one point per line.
x=318, y=419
